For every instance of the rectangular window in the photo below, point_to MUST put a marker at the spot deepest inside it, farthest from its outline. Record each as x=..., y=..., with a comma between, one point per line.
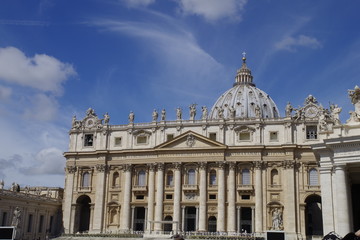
x=245, y=197
x=273, y=136
x=117, y=142
x=4, y=217
x=169, y=137
x=51, y=223
x=212, y=136
x=30, y=222
x=41, y=223
x=168, y=196
x=141, y=140
x=139, y=197
x=244, y=136
x=89, y=140
x=212, y=196
x=311, y=132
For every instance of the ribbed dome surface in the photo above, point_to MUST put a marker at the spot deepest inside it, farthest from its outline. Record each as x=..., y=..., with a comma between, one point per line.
x=244, y=100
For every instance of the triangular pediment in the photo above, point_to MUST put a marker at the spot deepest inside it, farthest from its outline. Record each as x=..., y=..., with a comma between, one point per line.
x=190, y=140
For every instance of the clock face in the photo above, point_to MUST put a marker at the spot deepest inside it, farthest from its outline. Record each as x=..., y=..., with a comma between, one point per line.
x=90, y=123
x=311, y=112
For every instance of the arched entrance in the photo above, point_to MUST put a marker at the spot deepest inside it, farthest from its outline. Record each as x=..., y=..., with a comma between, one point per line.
x=168, y=226
x=313, y=215
x=83, y=213
x=190, y=219
x=212, y=224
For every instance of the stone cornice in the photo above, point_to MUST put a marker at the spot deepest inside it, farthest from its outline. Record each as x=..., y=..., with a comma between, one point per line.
x=30, y=197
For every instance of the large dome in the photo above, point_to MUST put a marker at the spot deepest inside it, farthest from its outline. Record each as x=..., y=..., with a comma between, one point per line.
x=244, y=100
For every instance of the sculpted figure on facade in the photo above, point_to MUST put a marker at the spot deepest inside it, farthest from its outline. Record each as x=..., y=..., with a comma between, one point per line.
x=310, y=99
x=322, y=121
x=335, y=112
x=178, y=113
x=355, y=100
x=155, y=115
x=75, y=124
x=192, y=108
x=131, y=117
x=106, y=118
x=220, y=113
x=276, y=219
x=232, y=112
x=163, y=114
x=90, y=112
x=204, y=111
x=257, y=111
x=16, y=218
x=288, y=110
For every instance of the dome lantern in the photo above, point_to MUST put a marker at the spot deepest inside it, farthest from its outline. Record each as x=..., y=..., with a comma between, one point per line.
x=243, y=75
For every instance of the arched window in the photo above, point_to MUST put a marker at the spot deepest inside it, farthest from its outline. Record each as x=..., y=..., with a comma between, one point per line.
x=141, y=178
x=168, y=226
x=212, y=177
x=274, y=177
x=191, y=177
x=115, y=182
x=245, y=177
x=170, y=178
x=313, y=177
x=212, y=224
x=86, y=180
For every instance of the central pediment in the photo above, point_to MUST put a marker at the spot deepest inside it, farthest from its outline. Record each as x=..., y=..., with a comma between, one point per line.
x=191, y=140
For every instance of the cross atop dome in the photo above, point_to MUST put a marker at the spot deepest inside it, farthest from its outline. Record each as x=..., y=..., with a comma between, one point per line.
x=243, y=75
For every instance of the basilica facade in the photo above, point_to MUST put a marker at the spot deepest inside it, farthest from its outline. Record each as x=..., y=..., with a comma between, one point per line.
x=239, y=167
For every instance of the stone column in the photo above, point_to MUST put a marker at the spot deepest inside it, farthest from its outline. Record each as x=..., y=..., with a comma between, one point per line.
x=92, y=207
x=258, y=197
x=125, y=216
x=177, y=196
x=203, y=197
x=132, y=218
x=238, y=210
x=197, y=219
x=231, y=220
x=183, y=218
x=99, y=198
x=146, y=218
x=252, y=219
x=151, y=196
x=159, y=196
x=220, y=225
x=342, y=201
x=327, y=203
x=289, y=218
x=69, y=212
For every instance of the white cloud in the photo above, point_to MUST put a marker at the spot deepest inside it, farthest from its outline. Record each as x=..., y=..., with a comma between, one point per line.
x=47, y=161
x=213, y=10
x=41, y=72
x=291, y=43
x=138, y=3
x=5, y=92
x=42, y=108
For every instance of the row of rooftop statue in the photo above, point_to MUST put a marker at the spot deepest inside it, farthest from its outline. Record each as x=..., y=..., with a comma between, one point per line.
x=324, y=115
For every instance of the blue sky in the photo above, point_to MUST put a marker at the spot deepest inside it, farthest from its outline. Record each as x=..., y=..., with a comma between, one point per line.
x=58, y=58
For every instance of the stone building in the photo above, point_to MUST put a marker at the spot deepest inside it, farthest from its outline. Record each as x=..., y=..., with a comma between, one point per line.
x=239, y=167
x=339, y=160
x=35, y=212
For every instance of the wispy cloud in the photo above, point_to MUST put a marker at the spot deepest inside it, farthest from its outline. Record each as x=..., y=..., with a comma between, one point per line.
x=290, y=43
x=213, y=10
x=24, y=22
x=137, y=3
